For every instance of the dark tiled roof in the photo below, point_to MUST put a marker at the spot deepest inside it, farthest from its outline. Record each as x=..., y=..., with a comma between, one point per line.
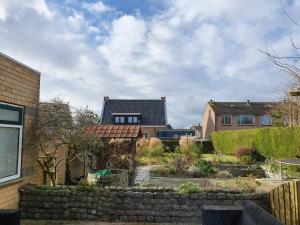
x=242, y=108
x=114, y=131
x=152, y=111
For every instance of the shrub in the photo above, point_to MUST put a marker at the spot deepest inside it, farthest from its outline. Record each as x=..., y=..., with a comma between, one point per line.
x=246, y=159
x=142, y=146
x=243, y=151
x=179, y=163
x=277, y=142
x=194, y=171
x=154, y=142
x=83, y=185
x=170, y=145
x=292, y=171
x=189, y=187
x=206, y=168
x=189, y=148
x=246, y=185
x=223, y=174
x=273, y=166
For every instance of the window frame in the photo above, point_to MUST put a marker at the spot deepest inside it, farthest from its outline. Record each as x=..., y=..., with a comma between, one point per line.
x=245, y=124
x=226, y=124
x=263, y=124
x=19, y=125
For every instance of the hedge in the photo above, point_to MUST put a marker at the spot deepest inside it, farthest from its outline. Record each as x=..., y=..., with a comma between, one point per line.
x=278, y=142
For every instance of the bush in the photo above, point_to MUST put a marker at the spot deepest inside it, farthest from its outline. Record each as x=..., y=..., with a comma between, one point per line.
x=246, y=159
x=170, y=145
x=189, y=148
x=154, y=142
x=273, y=166
x=194, y=171
x=206, y=168
x=277, y=142
x=179, y=163
x=292, y=171
x=246, y=185
x=83, y=185
x=243, y=151
x=188, y=188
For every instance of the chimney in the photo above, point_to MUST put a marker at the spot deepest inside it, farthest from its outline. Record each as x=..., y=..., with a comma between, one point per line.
x=106, y=98
x=163, y=99
x=248, y=102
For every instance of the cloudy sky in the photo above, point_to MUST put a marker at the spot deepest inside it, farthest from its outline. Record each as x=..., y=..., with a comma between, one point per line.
x=187, y=50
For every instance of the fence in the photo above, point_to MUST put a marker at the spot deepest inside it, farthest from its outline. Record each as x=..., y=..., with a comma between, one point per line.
x=285, y=201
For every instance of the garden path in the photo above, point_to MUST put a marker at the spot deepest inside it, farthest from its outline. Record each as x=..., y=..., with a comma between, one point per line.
x=143, y=174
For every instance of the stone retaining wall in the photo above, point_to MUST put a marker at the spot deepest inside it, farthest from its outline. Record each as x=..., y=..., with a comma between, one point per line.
x=133, y=205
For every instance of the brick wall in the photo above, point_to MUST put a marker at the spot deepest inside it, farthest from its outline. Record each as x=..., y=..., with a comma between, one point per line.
x=131, y=204
x=20, y=85
x=208, y=124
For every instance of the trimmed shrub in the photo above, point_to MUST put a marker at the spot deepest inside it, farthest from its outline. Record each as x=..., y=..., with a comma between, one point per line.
x=277, y=142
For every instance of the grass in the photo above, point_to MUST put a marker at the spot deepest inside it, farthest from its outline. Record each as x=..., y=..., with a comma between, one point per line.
x=223, y=159
x=149, y=160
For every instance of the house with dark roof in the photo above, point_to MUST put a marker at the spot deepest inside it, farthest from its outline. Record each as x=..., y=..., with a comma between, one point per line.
x=221, y=116
x=149, y=114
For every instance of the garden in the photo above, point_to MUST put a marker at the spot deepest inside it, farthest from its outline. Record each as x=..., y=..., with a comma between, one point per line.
x=243, y=161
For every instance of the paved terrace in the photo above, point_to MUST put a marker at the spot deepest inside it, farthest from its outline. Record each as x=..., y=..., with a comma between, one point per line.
x=48, y=222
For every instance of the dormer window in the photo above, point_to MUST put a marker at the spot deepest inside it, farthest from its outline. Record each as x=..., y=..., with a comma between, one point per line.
x=119, y=119
x=126, y=118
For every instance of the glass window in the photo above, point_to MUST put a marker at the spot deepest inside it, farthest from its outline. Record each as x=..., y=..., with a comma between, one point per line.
x=135, y=119
x=10, y=142
x=226, y=119
x=130, y=119
x=9, y=151
x=245, y=119
x=266, y=120
x=119, y=119
x=9, y=115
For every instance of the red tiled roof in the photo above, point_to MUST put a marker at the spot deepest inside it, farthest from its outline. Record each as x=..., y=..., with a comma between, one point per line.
x=114, y=131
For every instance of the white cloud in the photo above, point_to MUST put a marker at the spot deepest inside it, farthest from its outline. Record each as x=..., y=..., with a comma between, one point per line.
x=98, y=7
x=11, y=7
x=190, y=52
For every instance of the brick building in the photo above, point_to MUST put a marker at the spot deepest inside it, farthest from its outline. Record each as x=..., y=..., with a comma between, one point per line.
x=220, y=116
x=19, y=99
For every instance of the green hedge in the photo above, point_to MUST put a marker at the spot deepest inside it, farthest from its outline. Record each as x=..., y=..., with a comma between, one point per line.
x=170, y=144
x=278, y=142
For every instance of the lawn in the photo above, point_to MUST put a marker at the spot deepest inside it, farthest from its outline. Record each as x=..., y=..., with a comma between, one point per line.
x=224, y=159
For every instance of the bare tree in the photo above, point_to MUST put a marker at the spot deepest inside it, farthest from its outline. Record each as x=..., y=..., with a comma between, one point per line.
x=288, y=109
x=58, y=131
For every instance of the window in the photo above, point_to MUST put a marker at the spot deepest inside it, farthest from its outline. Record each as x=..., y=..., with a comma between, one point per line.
x=226, y=119
x=135, y=120
x=11, y=124
x=119, y=119
x=245, y=119
x=266, y=120
x=130, y=119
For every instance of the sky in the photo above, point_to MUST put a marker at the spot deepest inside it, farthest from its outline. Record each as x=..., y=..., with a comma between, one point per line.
x=189, y=51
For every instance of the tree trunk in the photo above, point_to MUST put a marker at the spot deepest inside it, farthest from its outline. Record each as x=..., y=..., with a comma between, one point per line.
x=52, y=178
